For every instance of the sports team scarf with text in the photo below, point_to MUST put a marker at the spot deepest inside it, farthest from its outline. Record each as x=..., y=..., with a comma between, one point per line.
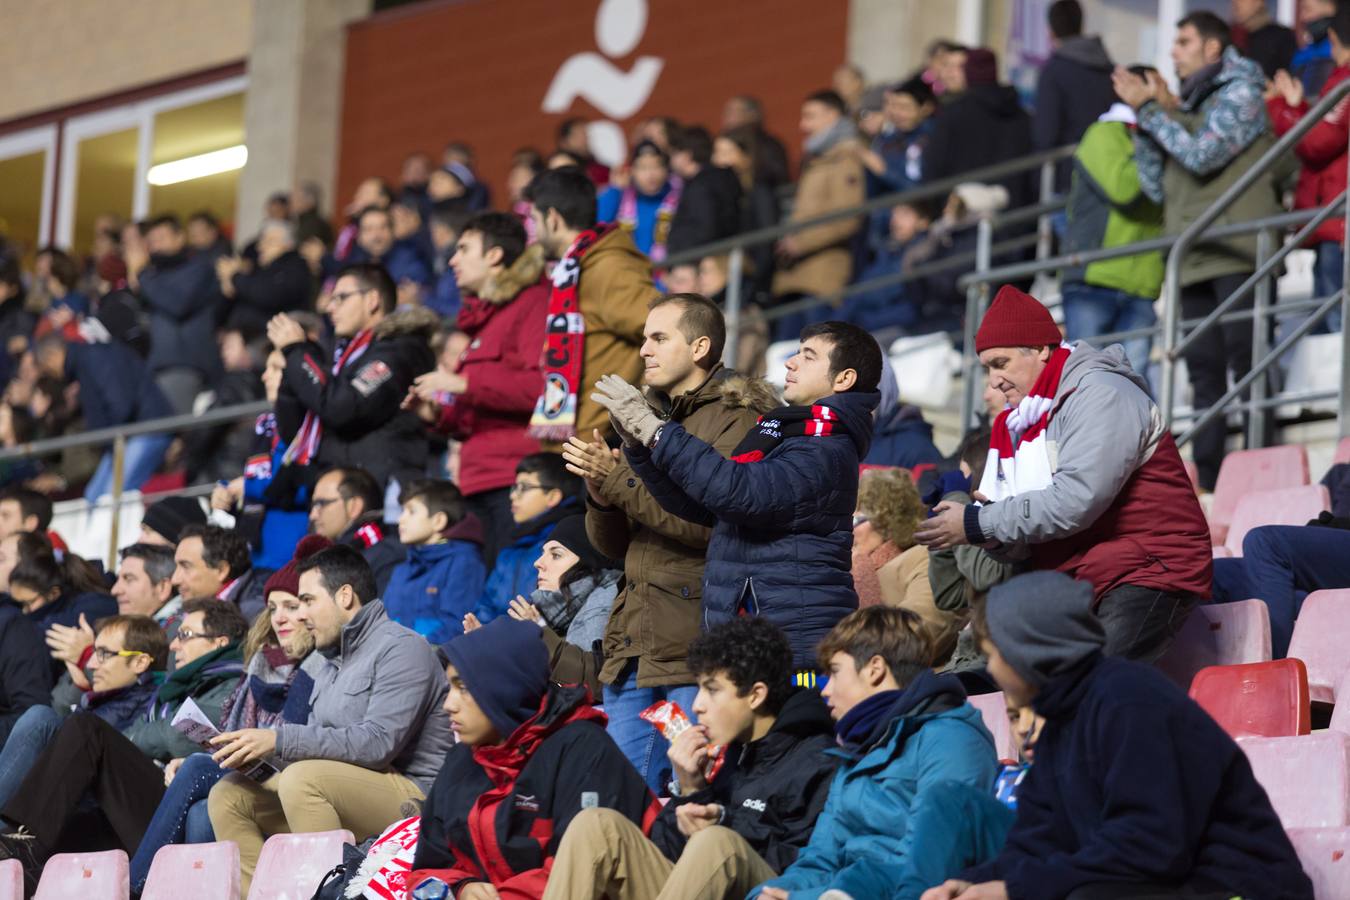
x=665, y=214
x=555, y=413
x=305, y=447
x=1019, y=456
x=783, y=423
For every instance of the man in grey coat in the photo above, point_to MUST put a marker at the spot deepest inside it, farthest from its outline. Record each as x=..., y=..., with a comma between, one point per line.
x=376, y=734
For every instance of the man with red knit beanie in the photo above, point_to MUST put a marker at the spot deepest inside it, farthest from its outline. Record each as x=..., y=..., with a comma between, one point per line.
x=1084, y=478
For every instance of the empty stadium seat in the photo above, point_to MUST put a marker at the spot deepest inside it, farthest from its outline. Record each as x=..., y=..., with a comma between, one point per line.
x=1218, y=634
x=86, y=876
x=1342, y=451
x=994, y=710
x=1322, y=640
x=292, y=865
x=1307, y=777
x=1281, y=506
x=11, y=880
x=199, y=871
x=1265, y=699
x=923, y=367
x=1325, y=854
x=1244, y=471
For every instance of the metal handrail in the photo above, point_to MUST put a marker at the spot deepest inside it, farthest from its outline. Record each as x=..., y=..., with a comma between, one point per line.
x=189, y=422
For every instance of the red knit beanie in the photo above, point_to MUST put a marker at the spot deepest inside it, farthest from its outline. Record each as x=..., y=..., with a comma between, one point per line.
x=286, y=578
x=1016, y=319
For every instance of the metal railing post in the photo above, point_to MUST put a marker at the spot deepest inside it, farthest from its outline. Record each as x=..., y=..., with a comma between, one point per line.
x=119, y=456
x=735, y=268
x=1343, y=401
x=977, y=296
x=1256, y=415
x=1045, y=232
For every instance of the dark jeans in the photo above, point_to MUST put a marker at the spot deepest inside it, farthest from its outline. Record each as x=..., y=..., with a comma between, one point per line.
x=1227, y=348
x=1140, y=622
x=1281, y=564
x=493, y=509
x=1327, y=279
x=1119, y=891
x=90, y=755
x=182, y=816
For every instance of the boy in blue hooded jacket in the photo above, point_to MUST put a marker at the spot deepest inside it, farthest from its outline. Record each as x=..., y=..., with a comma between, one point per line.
x=442, y=578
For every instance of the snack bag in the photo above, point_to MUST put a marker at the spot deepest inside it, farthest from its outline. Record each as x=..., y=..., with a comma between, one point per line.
x=671, y=721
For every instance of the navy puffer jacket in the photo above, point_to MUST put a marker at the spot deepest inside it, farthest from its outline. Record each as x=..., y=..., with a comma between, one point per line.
x=782, y=536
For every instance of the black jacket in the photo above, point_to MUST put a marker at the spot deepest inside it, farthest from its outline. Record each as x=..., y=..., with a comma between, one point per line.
x=515, y=799
x=1073, y=90
x=359, y=408
x=772, y=790
x=66, y=610
x=182, y=295
x=283, y=285
x=26, y=676
x=1134, y=782
x=378, y=545
x=116, y=386
x=984, y=126
x=710, y=209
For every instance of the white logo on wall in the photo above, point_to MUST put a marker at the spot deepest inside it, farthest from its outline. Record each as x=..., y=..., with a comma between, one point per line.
x=619, y=26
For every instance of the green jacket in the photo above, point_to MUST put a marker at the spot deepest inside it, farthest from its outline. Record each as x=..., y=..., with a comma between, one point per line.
x=208, y=681
x=1107, y=208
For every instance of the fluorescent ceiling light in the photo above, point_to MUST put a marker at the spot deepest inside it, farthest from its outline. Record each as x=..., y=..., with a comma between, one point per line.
x=199, y=166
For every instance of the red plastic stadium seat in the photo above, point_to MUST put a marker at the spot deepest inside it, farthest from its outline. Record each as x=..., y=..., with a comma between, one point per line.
x=1266, y=699
x=1218, y=634
x=1307, y=777
x=87, y=876
x=1244, y=471
x=11, y=880
x=1281, y=506
x=199, y=871
x=1342, y=451
x=994, y=710
x=1325, y=854
x=292, y=865
x=1322, y=640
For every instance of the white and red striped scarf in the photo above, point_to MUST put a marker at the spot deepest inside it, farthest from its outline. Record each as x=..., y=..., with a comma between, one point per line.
x=1019, y=457
x=665, y=214
x=783, y=423
x=305, y=447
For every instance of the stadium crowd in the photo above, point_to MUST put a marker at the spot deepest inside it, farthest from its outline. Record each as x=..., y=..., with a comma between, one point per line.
x=515, y=556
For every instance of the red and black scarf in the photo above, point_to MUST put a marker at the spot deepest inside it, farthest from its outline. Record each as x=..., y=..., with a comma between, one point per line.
x=783, y=423
x=304, y=449
x=555, y=413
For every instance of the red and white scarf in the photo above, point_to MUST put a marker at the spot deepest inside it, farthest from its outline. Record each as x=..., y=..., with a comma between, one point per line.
x=665, y=214
x=1019, y=455
x=555, y=413
x=305, y=447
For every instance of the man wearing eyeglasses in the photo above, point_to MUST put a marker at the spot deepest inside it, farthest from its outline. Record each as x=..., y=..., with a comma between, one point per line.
x=347, y=508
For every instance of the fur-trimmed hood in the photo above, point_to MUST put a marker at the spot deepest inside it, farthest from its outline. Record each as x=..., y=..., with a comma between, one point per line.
x=522, y=273
x=743, y=392
x=735, y=391
x=416, y=321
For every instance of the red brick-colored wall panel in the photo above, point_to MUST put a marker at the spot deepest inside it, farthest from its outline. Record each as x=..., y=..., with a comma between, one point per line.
x=477, y=70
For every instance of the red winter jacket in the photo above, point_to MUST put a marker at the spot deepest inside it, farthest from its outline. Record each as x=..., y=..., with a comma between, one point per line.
x=1323, y=154
x=503, y=368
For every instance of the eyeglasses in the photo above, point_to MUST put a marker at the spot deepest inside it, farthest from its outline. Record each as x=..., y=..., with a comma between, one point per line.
x=860, y=519
x=187, y=634
x=339, y=298
x=518, y=489
x=321, y=502
x=103, y=654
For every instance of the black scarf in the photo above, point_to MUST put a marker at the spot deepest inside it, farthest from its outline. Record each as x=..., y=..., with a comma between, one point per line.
x=1194, y=84
x=787, y=422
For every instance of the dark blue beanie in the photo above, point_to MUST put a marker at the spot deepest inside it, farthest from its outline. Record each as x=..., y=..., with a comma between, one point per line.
x=505, y=666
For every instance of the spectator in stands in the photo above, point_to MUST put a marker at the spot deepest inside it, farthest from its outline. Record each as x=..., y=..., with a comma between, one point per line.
x=1260, y=38
x=23, y=509
x=204, y=235
x=276, y=687
x=1312, y=64
x=486, y=403
x=375, y=735
x=983, y=125
x=279, y=281
x=442, y=578
x=62, y=283
x=25, y=673
x=905, y=734
x=722, y=835
x=348, y=509
x=1322, y=151
x=736, y=149
x=770, y=157
x=645, y=205
x=555, y=761
x=413, y=178
x=376, y=243
x=16, y=322
x=1168, y=805
x=663, y=552
x=1192, y=153
x=117, y=387
x=51, y=591
x=603, y=276
x=920, y=305
x=894, y=161
x=817, y=262
x=1110, y=504
x=574, y=139
x=164, y=520
x=444, y=226
x=351, y=407
x=144, y=586
x=459, y=153
x=1074, y=86
x=310, y=222
x=182, y=294
x=901, y=436
x=780, y=507
x=213, y=562
x=543, y=494
x=1107, y=208
x=710, y=201
x=850, y=83
x=89, y=755
x=946, y=69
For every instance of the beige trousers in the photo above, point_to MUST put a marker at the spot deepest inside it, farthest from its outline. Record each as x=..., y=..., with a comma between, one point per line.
x=311, y=795
x=603, y=854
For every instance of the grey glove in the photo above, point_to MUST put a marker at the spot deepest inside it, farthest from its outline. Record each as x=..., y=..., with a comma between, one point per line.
x=633, y=418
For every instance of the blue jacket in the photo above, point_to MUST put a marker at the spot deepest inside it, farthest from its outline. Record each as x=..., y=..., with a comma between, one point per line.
x=782, y=538
x=903, y=438
x=1134, y=782
x=861, y=843
x=404, y=262
x=116, y=387
x=438, y=583
x=285, y=519
x=648, y=205
x=183, y=297
x=514, y=574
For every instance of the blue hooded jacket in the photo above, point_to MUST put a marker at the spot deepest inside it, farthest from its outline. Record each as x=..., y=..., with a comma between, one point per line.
x=782, y=538
x=438, y=583
x=514, y=575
